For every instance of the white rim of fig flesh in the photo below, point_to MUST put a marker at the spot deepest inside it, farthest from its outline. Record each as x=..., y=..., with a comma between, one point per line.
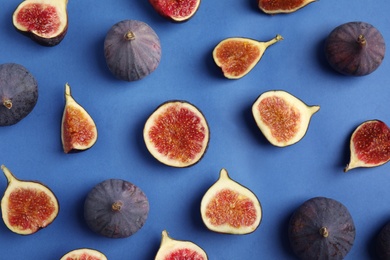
x=279, y=11
x=354, y=161
x=157, y=115
x=225, y=182
x=185, y=18
x=28, y=185
x=169, y=245
x=299, y=108
x=76, y=253
x=60, y=7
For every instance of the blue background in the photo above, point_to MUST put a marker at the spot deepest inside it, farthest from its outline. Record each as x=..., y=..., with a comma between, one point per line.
x=282, y=178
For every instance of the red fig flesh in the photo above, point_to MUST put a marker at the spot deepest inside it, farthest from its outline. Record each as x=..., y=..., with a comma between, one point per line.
x=177, y=10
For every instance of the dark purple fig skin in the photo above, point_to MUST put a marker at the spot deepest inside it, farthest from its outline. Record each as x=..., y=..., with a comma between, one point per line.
x=355, y=48
x=308, y=237
x=132, y=50
x=383, y=242
x=104, y=219
x=18, y=86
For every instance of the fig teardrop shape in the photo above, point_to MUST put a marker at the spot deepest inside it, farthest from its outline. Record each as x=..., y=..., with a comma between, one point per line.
x=27, y=206
x=282, y=6
x=238, y=56
x=178, y=249
x=229, y=207
x=281, y=117
x=369, y=145
x=78, y=129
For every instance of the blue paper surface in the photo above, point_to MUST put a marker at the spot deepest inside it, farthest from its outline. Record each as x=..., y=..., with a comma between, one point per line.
x=282, y=178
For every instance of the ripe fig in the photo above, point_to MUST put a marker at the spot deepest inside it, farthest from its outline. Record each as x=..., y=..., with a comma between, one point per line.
x=282, y=6
x=132, y=50
x=27, y=206
x=355, y=48
x=281, y=117
x=84, y=254
x=230, y=208
x=382, y=243
x=176, y=11
x=116, y=208
x=177, y=134
x=171, y=249
x=238, y=56
x=78, y=130
x=321, y=228
x=18, y=93
x=44, y=21
x=369, y=145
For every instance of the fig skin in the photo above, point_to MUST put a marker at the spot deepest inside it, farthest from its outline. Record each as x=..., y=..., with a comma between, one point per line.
x=355, y=48
x=18, y=93
x=166, y=9
x=34, y=29
x=382, y=243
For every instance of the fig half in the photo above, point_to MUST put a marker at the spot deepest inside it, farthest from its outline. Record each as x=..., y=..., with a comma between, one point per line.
x=229, y=207
x=281, y=117
x=27, y=206
x=78, y=129
x=369, y=145
x=238, y=56
x=84, y=254
x=178, y=249
x=44, y=21
x=282, y=6
x=176, y=11
x=177, y=134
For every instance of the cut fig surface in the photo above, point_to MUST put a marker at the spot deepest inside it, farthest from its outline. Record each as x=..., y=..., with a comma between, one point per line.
x=18, y=93
x=369, y=145
x=281, y=117
x=355, y=48
x=177, y=134
x=173, y=249
x=178, y=10
x=84, y=254
x=44, y=21
x=238, y=56
x=27, y=206
x=282, y=6
x=229, y=207
x=78, y=129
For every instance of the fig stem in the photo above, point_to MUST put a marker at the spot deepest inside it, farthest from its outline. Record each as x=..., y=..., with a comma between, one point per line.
x=117, y=205
x=129, y=36
x=8, y=174
x=362, y=40
x=276, y=39
x=7, y=103
x=324, y=232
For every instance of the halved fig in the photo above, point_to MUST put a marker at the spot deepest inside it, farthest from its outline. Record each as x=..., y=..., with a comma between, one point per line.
x=237, y=56
x=176, y=11
x=229, y=207
x=78, y=129
x=282, y=6
x=171, y=249
x=27, y=206
x=281, y=117
x=177, y=134
x=44, y=21
x=369, y=145
x=84, y=254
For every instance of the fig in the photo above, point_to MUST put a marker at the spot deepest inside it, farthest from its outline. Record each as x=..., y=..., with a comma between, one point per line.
x=44, y=21
x=281, y=117
x=177, y=134
x=78, y=129
x=116, y=208
x=230, y=208
x=176, y=11
x=321, y=228
x=18, y=93
x=382, y=243
x=132, y=50
x=171, y=249
x=355, y=48
x=237, y=56
x=369, y=145
x=282, y=6
x=27, y=206
x=84, y=254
